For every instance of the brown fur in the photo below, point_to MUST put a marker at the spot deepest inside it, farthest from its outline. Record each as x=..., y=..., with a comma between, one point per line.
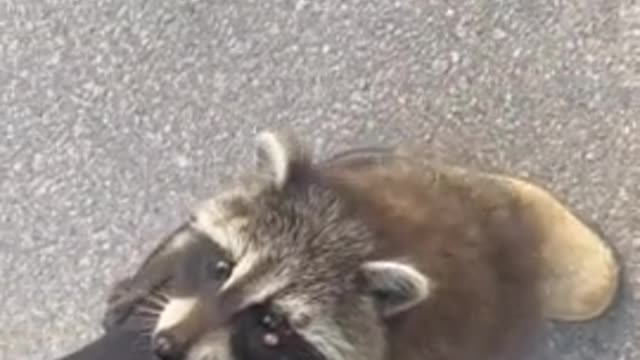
x=469, y=236
x=581, y=273
x=500, y=254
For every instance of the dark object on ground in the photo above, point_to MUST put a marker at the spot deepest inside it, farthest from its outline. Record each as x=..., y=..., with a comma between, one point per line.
x=121, y=343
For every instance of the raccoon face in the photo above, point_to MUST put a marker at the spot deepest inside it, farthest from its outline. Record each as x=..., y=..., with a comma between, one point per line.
x=283, y=272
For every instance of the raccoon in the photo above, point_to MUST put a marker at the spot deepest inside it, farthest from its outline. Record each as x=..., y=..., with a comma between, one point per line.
x=371, y=254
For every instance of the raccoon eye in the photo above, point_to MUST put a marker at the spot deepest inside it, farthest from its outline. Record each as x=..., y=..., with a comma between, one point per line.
x=219, y=270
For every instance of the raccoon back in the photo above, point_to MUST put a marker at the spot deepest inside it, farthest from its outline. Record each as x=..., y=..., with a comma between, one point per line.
x=467, y=234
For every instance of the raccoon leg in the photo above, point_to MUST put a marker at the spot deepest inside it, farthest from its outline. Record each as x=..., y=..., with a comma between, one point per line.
x=580, y=269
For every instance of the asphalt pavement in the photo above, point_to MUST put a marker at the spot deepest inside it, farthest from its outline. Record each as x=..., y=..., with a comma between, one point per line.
x=116, y=116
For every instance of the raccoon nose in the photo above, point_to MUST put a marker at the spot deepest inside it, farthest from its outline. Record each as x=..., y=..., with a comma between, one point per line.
x=167, y=347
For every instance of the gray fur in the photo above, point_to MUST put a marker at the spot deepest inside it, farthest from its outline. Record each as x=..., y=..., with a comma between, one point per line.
x=341, y=249
x=293, y=239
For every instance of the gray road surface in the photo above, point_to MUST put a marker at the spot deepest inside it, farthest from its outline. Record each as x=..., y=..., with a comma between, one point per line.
x=115, y=116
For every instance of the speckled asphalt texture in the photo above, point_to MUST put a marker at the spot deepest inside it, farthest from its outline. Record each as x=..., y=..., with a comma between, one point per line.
x=116, y=116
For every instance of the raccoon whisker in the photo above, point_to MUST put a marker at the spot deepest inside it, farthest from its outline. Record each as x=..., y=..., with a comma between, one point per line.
x=146, y=332
x=148, y=312
x=147, y=329
x=148, y=325
x=160, y=293
x=148, y=321
x=157, y=301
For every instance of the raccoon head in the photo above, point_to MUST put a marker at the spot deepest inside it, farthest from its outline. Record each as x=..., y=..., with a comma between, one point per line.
x=286, y=273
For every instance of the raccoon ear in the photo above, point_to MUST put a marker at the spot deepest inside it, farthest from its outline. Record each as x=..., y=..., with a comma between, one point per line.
x=278, y=153
x=396, y=286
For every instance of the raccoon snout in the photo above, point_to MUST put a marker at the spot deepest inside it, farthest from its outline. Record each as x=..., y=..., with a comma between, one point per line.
x=167, y=347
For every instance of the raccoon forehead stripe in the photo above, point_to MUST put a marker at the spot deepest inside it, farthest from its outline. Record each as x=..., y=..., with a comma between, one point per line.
x=246, y=262
x=222, y=226
x=256, y=279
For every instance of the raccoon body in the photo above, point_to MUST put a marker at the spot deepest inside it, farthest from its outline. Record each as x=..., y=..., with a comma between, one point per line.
x=471, y=239
x=371, y=254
